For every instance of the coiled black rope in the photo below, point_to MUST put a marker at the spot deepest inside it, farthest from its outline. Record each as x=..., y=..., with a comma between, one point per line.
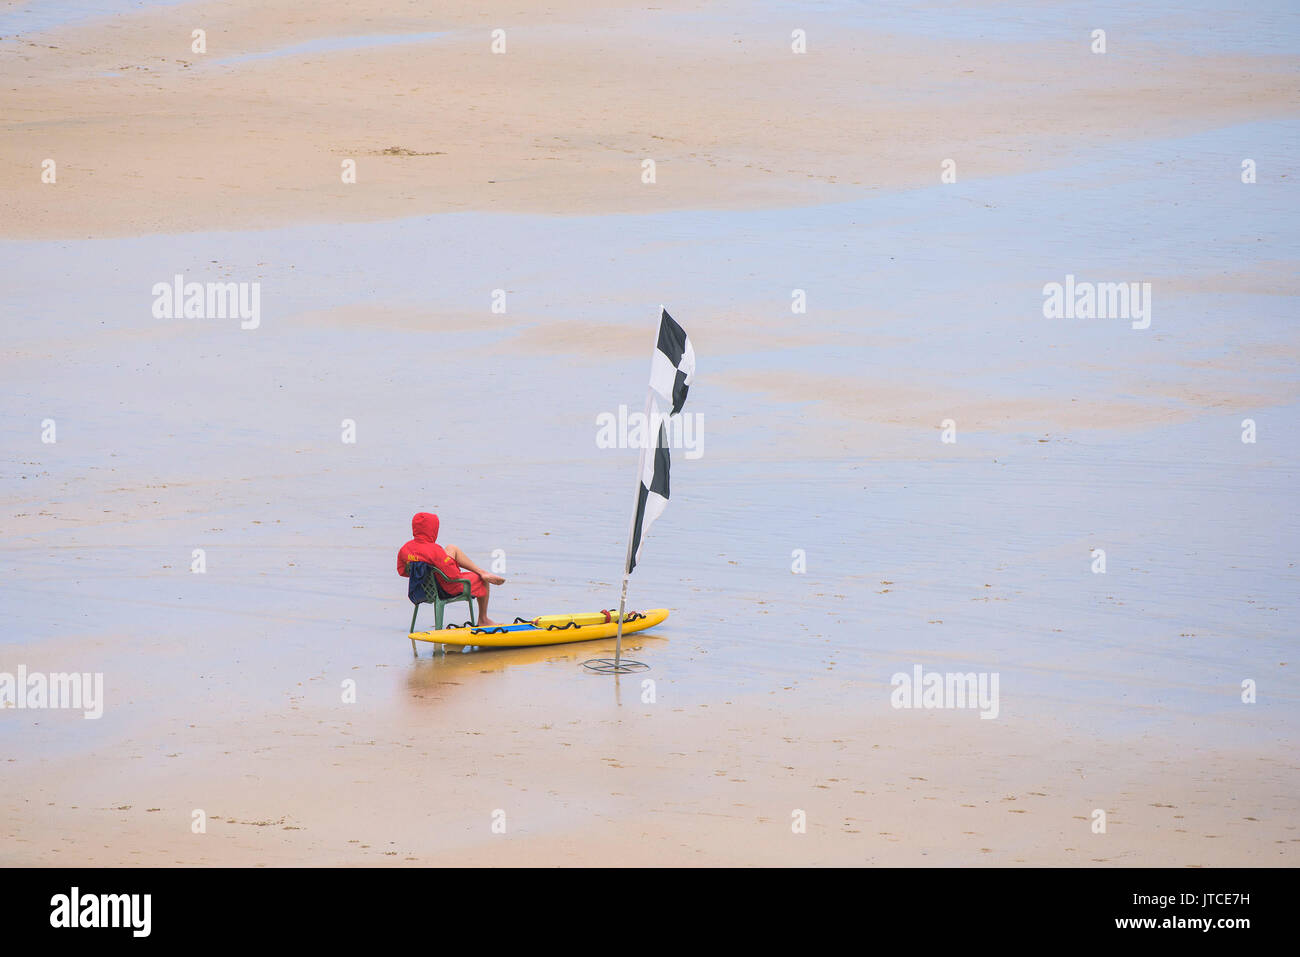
x=501, y=630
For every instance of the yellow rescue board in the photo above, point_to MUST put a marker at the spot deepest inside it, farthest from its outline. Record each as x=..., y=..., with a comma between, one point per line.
x=588, y=627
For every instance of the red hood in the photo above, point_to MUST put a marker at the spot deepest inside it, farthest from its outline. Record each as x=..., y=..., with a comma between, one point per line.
x=424, y=527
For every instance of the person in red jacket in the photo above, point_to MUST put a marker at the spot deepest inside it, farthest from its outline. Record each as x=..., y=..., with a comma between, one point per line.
x=449, y=559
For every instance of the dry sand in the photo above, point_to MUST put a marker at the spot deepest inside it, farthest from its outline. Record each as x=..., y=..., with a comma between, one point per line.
x=151, y=137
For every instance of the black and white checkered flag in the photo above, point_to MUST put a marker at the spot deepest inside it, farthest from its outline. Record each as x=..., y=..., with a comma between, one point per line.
x=654, y=487
x=671, y=373
x=673, y=366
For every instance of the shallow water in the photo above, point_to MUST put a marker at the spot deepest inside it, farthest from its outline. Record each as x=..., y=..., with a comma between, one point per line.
x=330, y=45
x=1199, y=27
x=183, y=434
x=37, y=15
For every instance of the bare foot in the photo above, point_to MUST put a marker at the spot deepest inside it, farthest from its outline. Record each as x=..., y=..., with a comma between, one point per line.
x=489, y=623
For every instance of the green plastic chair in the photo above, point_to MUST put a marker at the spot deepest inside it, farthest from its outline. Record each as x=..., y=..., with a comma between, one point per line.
x=432, y=596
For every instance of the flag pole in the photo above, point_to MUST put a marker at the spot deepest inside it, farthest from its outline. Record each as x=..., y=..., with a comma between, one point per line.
x=651, y=435
x=631, y=531
x=615, y=665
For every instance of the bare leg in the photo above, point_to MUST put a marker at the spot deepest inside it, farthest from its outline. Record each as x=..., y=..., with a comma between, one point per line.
x=483, y=619
x=461, y=559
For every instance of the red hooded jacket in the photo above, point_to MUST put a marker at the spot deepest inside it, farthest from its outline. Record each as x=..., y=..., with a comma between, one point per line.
x=424, y=548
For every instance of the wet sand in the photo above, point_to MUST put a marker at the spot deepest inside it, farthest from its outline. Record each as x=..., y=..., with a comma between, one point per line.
x=580, y=777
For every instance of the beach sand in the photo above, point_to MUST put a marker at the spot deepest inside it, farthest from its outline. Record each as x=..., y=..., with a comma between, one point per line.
x=252, y=133
x=622, y=782
x=227, y=692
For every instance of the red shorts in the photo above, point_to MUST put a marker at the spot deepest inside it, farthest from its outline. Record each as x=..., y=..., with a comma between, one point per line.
x=477, y=587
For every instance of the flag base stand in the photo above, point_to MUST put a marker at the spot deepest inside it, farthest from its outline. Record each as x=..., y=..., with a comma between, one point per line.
x=614, y=666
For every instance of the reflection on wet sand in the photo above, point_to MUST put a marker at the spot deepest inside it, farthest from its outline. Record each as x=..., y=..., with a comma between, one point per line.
x=432, y=677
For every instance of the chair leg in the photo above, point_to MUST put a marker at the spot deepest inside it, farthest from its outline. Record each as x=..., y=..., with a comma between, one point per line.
x=414, y=650
x=437, y=616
